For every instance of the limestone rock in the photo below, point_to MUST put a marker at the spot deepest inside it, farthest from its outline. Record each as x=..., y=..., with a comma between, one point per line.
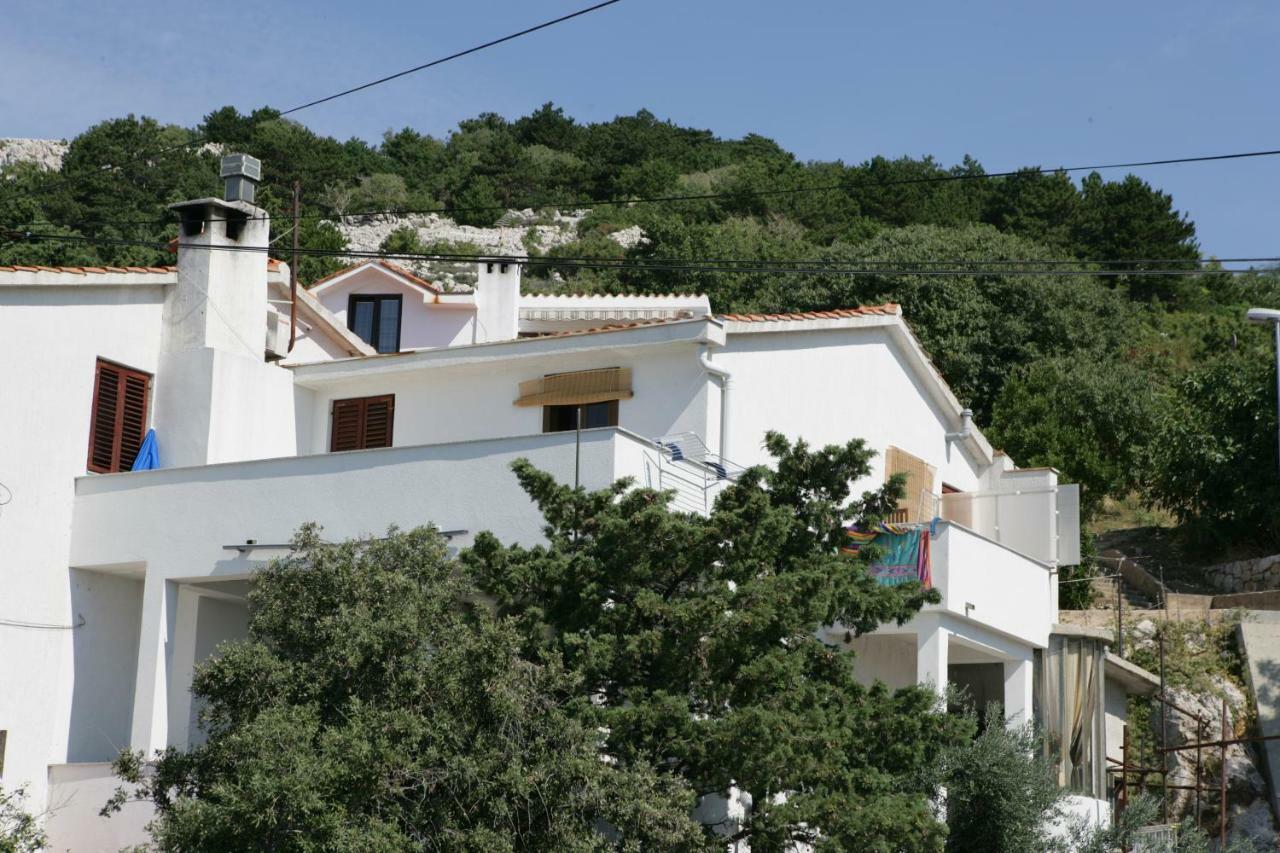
x=1254, y=822
x=45, y=153
x=518, y=232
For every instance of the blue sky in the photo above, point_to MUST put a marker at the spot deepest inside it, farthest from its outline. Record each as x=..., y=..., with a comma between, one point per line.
x=1011, y=83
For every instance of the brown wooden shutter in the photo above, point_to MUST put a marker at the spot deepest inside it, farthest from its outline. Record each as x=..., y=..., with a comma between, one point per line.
x=362, y=422
x=379, y=412
x=118, y=422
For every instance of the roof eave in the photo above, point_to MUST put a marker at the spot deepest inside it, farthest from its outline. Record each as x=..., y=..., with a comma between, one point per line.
x=697, y=331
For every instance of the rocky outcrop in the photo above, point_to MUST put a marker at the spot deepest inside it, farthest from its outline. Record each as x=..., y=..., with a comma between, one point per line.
x=518, y=232
x=45, y=153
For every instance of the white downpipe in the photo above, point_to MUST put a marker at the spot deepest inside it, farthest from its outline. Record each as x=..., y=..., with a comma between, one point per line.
x=726, y=382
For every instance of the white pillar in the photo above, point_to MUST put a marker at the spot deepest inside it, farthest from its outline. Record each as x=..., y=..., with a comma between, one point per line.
x=1018, y=691
x=150, y=729
x=931, y=656
x=184, y=665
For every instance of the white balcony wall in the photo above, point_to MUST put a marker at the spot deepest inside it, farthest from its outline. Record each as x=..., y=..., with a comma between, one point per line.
x=177, y=521
x=829, y=386
x=470, y=394
x=984, y=581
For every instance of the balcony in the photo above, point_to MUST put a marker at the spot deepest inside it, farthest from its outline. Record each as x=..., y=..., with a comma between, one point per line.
x=221, y=519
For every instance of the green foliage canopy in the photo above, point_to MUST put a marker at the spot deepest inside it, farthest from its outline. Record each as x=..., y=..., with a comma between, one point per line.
x=695, y=637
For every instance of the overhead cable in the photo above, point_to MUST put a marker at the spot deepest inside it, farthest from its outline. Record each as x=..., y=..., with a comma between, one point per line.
x=813, y=267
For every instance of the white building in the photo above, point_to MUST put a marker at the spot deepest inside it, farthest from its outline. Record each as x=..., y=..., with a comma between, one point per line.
x=402, y=404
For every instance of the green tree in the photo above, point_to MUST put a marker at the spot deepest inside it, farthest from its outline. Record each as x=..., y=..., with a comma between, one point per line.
x=20, y=830
x=695, y=640
x=1128, y=219
x=1002, y=795
x=373, y=708
x=1092, y=419
x=980, y=327
x=1214, y=456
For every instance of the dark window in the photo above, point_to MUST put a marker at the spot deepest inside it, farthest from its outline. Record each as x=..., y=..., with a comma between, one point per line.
x=118, y=422
x=375, y=320
x=562, y=418
x=362, y=422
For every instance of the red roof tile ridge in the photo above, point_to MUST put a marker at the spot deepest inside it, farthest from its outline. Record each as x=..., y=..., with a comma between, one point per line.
x=385, y=264
x=84, y=270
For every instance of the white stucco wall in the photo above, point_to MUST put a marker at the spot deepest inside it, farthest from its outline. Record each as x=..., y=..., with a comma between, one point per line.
x=1116, y=707
x=890, y=659
x=217, y=621
x=1007, y=591
x=829, y=386
x=471, y=401
x=422, y=323
x=50, y=340
x=76, y=793
x=104, y=653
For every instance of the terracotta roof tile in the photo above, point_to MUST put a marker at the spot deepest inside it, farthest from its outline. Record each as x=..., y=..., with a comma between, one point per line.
x=889, y=308
x=85, y=270
x=609, y=327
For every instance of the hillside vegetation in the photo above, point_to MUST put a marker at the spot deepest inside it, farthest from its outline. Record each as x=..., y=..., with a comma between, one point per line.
x=1134, y=385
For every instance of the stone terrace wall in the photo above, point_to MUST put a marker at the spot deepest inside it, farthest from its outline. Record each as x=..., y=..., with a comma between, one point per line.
x=1245, y=575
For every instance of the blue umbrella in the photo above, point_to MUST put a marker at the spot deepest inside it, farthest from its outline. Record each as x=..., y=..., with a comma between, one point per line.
x=149, y=454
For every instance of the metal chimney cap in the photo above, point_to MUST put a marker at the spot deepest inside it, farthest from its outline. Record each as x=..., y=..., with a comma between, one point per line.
x=241, y=165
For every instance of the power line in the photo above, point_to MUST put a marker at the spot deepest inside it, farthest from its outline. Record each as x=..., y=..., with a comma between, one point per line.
x=448, y=58
x=815, y=267
x=199, y=139
x=571, y=204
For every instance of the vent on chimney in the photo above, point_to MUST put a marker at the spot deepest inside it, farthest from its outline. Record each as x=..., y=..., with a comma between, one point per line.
x=242, y=174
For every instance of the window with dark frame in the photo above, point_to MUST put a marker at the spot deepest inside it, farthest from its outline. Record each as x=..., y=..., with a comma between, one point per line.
x=375, y=319
x=118, y=421
x=362, y=423
x=563, y=418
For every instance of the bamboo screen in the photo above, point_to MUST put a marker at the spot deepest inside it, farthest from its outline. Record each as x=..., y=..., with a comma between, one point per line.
x=917, y=501
x=578, y=388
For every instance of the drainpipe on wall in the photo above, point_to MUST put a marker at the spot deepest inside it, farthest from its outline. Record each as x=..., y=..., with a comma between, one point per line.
x=726, y=382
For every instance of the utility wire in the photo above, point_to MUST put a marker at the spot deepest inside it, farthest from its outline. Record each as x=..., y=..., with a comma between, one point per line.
x=656, y=264
x=200, y=139
x=557, y=260
x=448, y=58
x=572, y=204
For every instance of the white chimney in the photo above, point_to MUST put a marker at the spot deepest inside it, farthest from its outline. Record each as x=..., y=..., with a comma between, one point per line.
x=213, y=376
x=497, y=301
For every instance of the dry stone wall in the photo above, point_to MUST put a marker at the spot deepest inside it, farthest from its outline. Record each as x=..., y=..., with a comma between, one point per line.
x=1245, y=575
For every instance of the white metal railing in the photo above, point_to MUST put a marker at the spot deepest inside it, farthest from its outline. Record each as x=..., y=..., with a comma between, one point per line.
x=683, y=464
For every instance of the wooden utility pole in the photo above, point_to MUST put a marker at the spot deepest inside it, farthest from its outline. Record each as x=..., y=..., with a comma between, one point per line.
x=293, y=267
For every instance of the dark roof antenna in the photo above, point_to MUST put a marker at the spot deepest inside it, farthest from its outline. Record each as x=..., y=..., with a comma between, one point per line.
x=241, y=172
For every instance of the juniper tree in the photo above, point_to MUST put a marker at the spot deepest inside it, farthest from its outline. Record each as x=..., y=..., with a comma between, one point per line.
x=696, y=638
